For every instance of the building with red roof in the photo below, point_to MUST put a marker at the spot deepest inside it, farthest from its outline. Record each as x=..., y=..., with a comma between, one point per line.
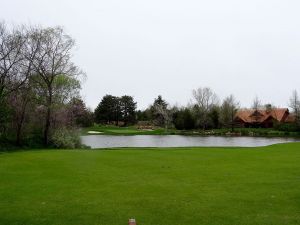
x=263, y=117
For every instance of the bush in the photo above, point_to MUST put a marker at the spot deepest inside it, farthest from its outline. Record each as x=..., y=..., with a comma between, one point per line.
x=184, y=120
x=288, y=127
x=66, y=138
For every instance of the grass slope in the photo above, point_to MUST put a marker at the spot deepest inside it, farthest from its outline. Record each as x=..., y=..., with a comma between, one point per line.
x=115, y=130
x=211, y=186
x=132, y=130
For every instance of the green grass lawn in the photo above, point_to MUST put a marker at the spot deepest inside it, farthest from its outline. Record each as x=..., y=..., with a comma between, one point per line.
x=183, y=186
x=115, y=130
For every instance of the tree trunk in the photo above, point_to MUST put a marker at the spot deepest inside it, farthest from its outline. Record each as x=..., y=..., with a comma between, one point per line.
x=18, y=136
x=232, y=124
x=47, y=127
x=48, y=118
x=20, y=123
x=19, y=131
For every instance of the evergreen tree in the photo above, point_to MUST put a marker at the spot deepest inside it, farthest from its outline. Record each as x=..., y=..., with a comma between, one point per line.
x=128, y=109
x=108, y=110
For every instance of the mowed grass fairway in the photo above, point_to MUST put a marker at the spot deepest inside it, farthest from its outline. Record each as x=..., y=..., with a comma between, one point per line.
x=115, y=130
x=184, y=186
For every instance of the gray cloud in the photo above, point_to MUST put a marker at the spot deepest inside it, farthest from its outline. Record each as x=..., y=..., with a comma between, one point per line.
x=169, y=47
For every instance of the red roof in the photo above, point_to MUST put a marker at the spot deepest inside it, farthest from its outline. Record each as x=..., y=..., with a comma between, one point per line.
x=261, y=115
x=291, y=118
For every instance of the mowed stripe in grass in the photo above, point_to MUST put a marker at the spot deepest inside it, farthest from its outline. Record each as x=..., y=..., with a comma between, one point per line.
x=156, y=186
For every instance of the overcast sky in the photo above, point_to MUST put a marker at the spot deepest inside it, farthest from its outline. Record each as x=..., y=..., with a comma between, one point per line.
x=169, y=47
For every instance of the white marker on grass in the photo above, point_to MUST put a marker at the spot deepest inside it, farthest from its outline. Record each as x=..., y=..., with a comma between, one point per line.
x=131, y=222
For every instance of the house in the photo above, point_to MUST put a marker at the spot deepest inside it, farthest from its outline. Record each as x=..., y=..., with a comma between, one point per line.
x=263, y=117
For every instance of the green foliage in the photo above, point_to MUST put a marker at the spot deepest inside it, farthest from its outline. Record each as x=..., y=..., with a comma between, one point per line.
x=287, y=127
x=144, y=115
x=108, y=110
x=113, y=109
x=128, y=107
x=214, y=117
x=65, y=88
x=184, y=120
x=66, y=138
x=38, y=79
x=164, y=186
x=160, y=101
x=79, y=114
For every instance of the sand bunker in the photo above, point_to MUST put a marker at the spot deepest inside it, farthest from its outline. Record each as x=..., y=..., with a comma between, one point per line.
x=94, y=132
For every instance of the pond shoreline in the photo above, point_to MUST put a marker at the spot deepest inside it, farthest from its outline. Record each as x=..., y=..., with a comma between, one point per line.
x=154, y=141
x=238, y=132
x=198, y=134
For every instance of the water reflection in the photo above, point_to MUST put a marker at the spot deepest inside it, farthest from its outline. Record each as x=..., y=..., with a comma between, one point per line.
x=109, y=141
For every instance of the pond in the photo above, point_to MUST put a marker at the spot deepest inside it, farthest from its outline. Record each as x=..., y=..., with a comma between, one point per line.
x=110, y=141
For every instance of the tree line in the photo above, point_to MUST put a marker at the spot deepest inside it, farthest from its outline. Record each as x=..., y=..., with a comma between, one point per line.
x=39, y=84
x=206, y=111
x=113, y=109
x=40, y=100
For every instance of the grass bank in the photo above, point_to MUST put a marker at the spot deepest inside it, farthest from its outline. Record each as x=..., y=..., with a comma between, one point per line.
x=132, y=130
x=176, y=186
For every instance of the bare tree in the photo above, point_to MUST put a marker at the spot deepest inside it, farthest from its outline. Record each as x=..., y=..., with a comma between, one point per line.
x=51, y=62
x=205, y=99
x=165, y=113
x=11, y=57
x=295, y=105
x=19, y=101
x=256, y=105
x=229, y=109
x=16, y=57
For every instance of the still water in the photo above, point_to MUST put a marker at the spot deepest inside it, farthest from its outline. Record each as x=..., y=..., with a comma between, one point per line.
x=109, y=141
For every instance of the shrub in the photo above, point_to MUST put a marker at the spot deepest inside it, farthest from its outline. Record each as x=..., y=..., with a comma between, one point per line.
x=288, y=127
x=66, y=138
x=184, y=120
